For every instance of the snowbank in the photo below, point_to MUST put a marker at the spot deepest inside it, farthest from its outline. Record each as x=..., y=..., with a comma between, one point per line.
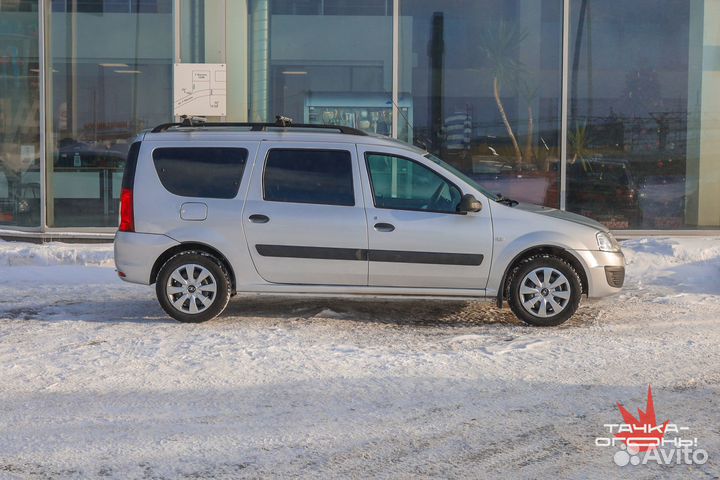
x=686, y=265
x=20, y=254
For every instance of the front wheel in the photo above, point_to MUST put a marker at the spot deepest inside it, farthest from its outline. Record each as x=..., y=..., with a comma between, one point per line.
x=193, y=287
x=544, y=291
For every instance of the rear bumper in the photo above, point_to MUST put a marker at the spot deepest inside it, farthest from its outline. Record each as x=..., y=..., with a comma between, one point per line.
x=605, y=272
x=136, y=253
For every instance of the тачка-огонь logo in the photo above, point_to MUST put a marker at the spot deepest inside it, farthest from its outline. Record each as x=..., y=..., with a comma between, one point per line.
x=642, y=440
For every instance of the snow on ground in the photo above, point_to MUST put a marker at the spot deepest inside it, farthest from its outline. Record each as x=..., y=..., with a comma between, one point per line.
x=98, y=382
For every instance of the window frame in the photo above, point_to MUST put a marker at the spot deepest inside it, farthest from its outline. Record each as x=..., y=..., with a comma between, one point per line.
x=293, y=149
x=387, y=154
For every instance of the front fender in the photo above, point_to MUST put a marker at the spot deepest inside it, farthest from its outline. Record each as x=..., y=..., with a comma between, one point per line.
x=506, y=253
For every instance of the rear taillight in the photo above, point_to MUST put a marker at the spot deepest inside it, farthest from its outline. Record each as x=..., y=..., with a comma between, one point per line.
x=127, y=215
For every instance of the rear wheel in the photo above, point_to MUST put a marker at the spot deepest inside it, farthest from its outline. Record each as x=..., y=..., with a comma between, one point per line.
x=193, y=287
x=544, y=291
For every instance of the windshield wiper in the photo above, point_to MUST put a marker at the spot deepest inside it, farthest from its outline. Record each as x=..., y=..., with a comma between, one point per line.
x=505, y=201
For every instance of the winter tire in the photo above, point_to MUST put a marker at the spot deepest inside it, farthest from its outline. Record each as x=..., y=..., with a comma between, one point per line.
x=193, y=287
x=544, y=291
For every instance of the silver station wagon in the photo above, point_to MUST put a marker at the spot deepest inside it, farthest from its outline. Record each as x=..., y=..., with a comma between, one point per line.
x=213, y=209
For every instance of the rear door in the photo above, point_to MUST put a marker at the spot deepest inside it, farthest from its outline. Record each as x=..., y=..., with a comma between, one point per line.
x=304, y=215
x=416, y=236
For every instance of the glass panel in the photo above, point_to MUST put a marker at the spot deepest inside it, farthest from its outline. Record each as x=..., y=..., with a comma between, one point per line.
x=113, y=6
x=442, y=163
x=401, y=184
x=333, y=65
x=480, y=80
x=19, y=115
x=111, y=78
x=642, y=142
x=331, y=7
x=201, y=172
x=309, y=176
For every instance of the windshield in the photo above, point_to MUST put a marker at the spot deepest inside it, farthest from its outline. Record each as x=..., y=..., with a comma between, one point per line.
x=462, y=176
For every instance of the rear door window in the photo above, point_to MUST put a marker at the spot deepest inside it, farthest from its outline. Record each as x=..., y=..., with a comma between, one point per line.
x=213, y=172
x=309, y=176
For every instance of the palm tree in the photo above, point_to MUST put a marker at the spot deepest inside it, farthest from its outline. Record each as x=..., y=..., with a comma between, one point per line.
x=499, y=44
x=579, y=144
x=529, y=91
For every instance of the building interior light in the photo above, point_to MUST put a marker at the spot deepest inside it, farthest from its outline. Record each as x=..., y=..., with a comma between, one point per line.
x=113, y=65
x=127, y=71
x=294, y=72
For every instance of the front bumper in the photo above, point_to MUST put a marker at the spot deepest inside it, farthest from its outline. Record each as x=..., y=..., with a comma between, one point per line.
x=136, y=253
x=605, y=272
x=615, y=276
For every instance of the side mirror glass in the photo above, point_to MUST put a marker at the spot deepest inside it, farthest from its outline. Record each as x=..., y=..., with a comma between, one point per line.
x=469, y=203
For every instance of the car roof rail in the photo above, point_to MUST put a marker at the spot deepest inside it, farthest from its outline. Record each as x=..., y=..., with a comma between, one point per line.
x=281, y=122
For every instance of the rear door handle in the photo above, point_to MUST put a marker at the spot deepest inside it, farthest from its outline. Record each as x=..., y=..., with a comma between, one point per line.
x=384, y=227
x=257, y=218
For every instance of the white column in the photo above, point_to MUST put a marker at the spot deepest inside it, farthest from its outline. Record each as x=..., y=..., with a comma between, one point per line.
x=45, y=64
x=702, y=185
x=236, y=49
x=564, y=103
x=395, y=67
x=260, y=58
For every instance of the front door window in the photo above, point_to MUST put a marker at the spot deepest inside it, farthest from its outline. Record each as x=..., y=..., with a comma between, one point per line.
x=402, y=184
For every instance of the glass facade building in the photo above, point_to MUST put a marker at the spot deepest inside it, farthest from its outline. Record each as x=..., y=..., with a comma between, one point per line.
x=607, y=108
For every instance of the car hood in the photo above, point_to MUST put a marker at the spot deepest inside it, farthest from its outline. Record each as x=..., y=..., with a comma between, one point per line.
x=559, y=214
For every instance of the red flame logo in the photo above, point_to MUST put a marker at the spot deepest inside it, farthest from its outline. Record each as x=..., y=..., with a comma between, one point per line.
x=645, y=433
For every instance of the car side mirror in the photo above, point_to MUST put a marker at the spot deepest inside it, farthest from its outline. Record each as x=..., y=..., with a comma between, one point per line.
x=469, y=203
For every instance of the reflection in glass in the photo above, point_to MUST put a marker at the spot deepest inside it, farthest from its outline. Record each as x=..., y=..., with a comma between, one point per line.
x=19, y=114
x=111, y=79
x=637, y=99
x=322, y=62
x=479, y=86
x=483, y=81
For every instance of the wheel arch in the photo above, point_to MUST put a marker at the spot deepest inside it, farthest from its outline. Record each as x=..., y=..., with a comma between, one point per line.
x=191, y=246
x=533, y=251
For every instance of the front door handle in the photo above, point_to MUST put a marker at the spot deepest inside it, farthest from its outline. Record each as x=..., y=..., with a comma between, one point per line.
x=257, y=218
x=384, y=227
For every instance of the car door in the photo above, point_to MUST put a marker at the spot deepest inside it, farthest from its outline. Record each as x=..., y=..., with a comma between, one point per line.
x=416, y=236
x=304, y=216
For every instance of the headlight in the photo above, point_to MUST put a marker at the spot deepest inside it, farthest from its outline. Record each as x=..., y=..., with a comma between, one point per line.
x=606, y=242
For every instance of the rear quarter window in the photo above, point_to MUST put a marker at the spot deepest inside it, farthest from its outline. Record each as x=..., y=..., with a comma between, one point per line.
x=213, y=172
x=128, y=178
